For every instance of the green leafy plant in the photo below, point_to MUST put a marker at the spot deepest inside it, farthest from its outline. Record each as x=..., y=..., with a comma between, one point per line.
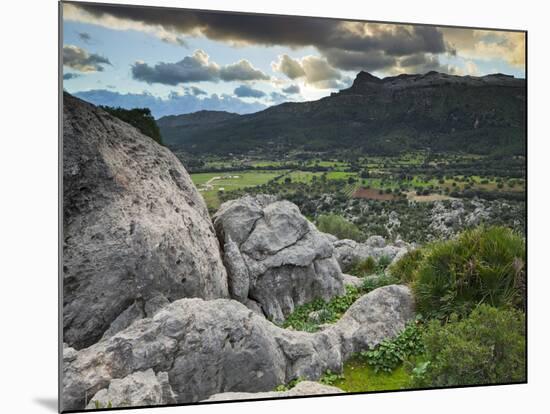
x=290, y=385
x=483, y=265
x=330, y=378
x=390, y=354
x=332, y=311
x=486, y=347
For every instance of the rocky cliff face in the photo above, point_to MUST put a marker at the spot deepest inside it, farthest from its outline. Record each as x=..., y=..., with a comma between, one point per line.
x=275, y=257
x=136, y=232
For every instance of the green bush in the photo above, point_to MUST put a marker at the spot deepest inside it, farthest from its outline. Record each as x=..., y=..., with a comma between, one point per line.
x=338, y=226
x=487, y=347
x=140, y=118
x=384, y=262
x=405, y=268
x=389, y=354
x=364, y=267
x=483, y=265
x=369, y=266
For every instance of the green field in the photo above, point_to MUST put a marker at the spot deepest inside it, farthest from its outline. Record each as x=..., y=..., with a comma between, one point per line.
x=229, y=181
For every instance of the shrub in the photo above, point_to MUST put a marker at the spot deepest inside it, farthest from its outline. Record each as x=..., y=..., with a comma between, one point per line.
x=483, y=265
x=384, y=262
x=364, y=267
x=338, y=226
x=369, y=266
x=405, y=268
x=487, y=347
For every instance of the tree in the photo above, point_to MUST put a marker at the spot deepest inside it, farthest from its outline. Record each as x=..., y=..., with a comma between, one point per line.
x=140, y=118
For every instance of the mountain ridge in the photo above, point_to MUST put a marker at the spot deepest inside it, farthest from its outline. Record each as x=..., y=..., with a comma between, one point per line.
x=436, y=110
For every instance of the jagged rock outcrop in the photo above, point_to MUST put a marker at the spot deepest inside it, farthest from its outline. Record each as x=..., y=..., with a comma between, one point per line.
x=215, y=346
x=142, y=388
x=349, y=251
x=302, y=388
x=136, y=233
x=274, y=256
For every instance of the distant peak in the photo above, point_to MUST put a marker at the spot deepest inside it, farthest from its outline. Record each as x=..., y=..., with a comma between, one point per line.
x=366, y=77
x=432, y=73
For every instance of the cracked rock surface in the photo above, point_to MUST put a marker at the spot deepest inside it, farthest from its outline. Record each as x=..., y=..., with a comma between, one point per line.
x=274, y=256
x=217, y=346
x=142, y=388
x=136, y=231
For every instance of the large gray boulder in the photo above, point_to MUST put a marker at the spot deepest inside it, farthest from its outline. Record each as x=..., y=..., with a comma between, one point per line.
x=274, y=256
x=302, y=388
x=142, y=388
x=348, y=252
x=216, y=346
x=135, y=230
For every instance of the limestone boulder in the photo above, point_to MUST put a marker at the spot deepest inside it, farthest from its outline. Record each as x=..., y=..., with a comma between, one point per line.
x=135, y=229
x=275, y=257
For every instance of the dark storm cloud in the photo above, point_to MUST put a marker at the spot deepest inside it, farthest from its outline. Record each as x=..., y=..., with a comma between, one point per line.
x=358, y=39
x=356, y=60
x=245, y=91
x=70, y=75
x=77, y=58
x=292, y=90
x=422, y=63
x=195, y=68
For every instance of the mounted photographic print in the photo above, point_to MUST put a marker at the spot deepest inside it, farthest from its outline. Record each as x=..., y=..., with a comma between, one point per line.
x=263, y=206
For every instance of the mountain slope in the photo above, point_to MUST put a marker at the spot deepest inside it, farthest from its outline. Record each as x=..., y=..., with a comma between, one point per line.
x=443, y=112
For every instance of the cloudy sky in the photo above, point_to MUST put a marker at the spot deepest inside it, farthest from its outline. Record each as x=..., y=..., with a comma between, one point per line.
x=179, y=61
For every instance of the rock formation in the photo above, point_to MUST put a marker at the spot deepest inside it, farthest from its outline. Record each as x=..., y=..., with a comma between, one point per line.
x=136, y=233
x=274, y=256
x=216, y=346
x=142, y=388
x=349, y=252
